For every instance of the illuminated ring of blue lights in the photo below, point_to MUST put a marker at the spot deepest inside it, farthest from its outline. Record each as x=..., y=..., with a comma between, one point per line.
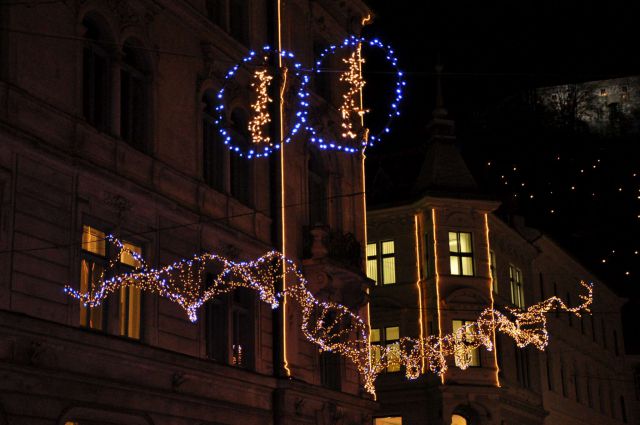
x=300, y=116
x=394, y=108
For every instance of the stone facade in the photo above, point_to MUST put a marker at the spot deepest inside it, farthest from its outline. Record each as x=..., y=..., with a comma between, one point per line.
x=452, y=257
x=103, y=124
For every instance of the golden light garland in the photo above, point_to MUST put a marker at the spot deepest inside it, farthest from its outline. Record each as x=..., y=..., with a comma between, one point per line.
x=260, y=118
x=351, y=99
x=331, y=326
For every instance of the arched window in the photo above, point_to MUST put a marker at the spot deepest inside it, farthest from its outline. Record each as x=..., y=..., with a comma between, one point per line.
x=213, y=149
x=96, y=74
x=134, y=96
x=241, y=175
x=317, y=186
x=458, y=420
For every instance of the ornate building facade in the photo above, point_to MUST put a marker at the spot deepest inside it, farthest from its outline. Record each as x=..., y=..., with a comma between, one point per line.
x=439, y=257
x=107, y=126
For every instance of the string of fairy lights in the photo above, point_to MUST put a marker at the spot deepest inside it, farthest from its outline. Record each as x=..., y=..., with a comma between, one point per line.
x=331, y=326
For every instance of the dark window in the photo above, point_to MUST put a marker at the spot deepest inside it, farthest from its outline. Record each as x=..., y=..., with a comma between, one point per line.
x=230, y=327
x=604, y=333
x=593, y=328
x=134, y=98
x=96, y=77
x=330, y=370
x=213, y=149
x=563, y=380
x=322, y=78
x=623, y=410
x=576, y=383
x=569, y=315
x=522, y=366
x=241, y=174
x=541, y=287
x=616, y=350
x=549, y=364
x=238, y=20
x=317, y=182
x=216, y=12
x=589, y=391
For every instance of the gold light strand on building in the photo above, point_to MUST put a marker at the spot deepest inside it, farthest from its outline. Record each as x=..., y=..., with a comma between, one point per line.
x=331, y=326
x=351, y=99
x=260, y=117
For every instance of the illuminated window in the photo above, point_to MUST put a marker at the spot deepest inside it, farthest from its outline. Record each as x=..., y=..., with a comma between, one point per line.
x=470, y=331
x=94, y=258
x=461, y=253
x=517, y=289
x=458, y=420
x=603, y=92
x=92, y=265
x=494, y=274
x=381, y=253
x=387, y=337
x=389, y=420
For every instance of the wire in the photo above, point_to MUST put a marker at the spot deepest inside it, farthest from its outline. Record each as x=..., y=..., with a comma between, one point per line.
x=178, y=226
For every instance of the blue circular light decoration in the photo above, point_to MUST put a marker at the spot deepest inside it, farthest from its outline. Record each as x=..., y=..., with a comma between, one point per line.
x=300, y=120
x=394, y=108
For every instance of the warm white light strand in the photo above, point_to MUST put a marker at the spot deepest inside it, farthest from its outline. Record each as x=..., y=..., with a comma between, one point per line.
x=331, y=326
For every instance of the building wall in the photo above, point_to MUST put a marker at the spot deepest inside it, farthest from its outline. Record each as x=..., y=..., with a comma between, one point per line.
x=524, y=394
x=58, y=172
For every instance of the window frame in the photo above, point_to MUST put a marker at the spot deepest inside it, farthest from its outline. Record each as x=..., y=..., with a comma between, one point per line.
x=459, y=255
x=379, y=258
x=516, y=282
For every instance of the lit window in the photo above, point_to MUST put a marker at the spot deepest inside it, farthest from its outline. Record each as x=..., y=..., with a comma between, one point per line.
x=461, y=253
x=458, y=420
x=494, y=274
x=517, y=290
x=387, y=337
x=390, y=420
x=603, y=92
x=381, y=253
x=93, y=263
x=470, y=331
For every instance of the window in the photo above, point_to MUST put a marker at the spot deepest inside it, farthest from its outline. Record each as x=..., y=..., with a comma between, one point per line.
x=427, y=262
x=94, y=258
x=517, y=290
x=522, y=366
x=604, y=333
x=230, y=327
x=322, y=78
x=563, y=380
x=469, y=333
x=623, y=410
x=213, y=151
x=569, y=315
x=389, y=338
x=389, y=420
x=317, y=190
x=576, y=383
x=494, y=274
x=96, y=76
x=461, y=253
x=589, y=391
x=230, y=15
x=616, y=350
x=593, y=328
x=241, y=174
x=542, y=292
x=549, y=364
x=330, y=370
x=134, y=95
x=458, y=420
x=381, y=253
x=555, y=294
x=603, y=92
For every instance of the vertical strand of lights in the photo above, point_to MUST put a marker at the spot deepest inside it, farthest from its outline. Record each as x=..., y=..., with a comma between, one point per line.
x=419, y=285
x=435, y=269
x=282, y=192
x=495, y=346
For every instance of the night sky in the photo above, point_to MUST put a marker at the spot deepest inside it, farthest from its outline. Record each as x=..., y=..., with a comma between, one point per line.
x=581, y=189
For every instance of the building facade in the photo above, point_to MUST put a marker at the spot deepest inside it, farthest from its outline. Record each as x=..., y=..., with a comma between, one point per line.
x=107, y=126
x=442, y=256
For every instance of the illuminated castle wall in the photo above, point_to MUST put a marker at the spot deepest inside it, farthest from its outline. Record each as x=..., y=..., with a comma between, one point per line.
x=107, y=127
x=440, y=256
